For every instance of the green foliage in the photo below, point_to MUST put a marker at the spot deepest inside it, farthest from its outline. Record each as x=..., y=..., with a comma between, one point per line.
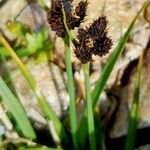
x=38, y=44
x=13, y=106
x=17, y=28
x=3, y=50
x=90, y=118
x=27, y=43
x=71, y=87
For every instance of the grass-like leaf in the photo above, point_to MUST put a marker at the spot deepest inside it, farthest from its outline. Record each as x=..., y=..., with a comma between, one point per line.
x=134, y=113
x=71, y=88
x=14, y=107
x=100, y=84
x=46, y=108
x=91, y=129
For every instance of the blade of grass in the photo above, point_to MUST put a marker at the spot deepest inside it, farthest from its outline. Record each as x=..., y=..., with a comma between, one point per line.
x=134, y=113
x=46, y=108
x=66, y=26
x=90, y=118
x=14, y=107
x=100, y=84
x=71, y=88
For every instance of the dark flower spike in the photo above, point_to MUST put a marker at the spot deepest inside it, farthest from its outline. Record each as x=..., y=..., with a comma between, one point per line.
x=78, y=15
x=74, y=17
x=54, y=17
x=93, y=41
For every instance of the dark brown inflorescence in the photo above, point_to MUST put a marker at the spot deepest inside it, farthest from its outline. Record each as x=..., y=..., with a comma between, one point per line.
x=74, y=16
x=93, y=41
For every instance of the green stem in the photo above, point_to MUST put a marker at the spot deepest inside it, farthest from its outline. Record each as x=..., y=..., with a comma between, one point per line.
x=66, y=26
x=91, y=129
x=71, y=88
x=73, y=40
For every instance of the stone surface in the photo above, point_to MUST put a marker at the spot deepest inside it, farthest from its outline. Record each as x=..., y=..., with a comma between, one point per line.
x=126, y=97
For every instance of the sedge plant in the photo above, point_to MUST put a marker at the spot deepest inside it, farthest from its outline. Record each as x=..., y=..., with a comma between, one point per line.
x=90, y=41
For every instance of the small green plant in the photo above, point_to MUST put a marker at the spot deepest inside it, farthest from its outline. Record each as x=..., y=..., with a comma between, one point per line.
x=91, y=41
x=29, y=43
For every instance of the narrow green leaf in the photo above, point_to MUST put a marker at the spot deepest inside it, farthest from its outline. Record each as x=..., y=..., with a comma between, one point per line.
x=100, y=84
x=14, y=107
x=134, y=113
x=46, y=108
x=91, y=129
x=66, y=26
x=71, y=88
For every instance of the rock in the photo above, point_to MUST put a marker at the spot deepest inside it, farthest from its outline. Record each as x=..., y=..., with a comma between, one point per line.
x=126, y=96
